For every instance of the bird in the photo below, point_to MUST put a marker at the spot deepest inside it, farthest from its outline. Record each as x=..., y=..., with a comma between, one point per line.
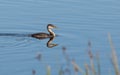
x=43, y=35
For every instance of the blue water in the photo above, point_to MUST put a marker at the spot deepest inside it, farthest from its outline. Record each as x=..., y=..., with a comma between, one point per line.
x=78, y=21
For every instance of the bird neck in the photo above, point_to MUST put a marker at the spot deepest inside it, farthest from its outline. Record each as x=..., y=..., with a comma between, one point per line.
x=51, y=32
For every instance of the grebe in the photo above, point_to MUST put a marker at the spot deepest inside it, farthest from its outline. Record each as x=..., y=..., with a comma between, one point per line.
x=45, y=35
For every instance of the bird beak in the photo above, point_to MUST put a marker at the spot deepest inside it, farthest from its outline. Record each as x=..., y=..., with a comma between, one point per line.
x=55, y=27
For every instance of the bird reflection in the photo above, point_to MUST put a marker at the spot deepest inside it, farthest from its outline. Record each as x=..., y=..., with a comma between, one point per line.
x=50, y=44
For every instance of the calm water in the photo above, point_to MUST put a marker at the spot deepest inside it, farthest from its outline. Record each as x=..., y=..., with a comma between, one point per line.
x=78, y=20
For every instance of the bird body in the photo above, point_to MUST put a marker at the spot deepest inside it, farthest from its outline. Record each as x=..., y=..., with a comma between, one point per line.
x=43, y=35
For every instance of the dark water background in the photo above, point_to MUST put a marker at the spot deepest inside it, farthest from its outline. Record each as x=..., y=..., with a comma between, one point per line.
x=78, y=20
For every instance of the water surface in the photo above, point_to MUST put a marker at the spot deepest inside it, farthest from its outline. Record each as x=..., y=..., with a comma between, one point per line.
x=79, y=21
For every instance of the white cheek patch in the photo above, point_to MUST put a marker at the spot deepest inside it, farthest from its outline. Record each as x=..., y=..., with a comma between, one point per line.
x=50, y=27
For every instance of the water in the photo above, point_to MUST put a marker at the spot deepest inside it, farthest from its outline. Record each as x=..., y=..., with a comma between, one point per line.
x=78, y=20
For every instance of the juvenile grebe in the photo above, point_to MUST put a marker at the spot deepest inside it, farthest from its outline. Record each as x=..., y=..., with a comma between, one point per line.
x=45, y=35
